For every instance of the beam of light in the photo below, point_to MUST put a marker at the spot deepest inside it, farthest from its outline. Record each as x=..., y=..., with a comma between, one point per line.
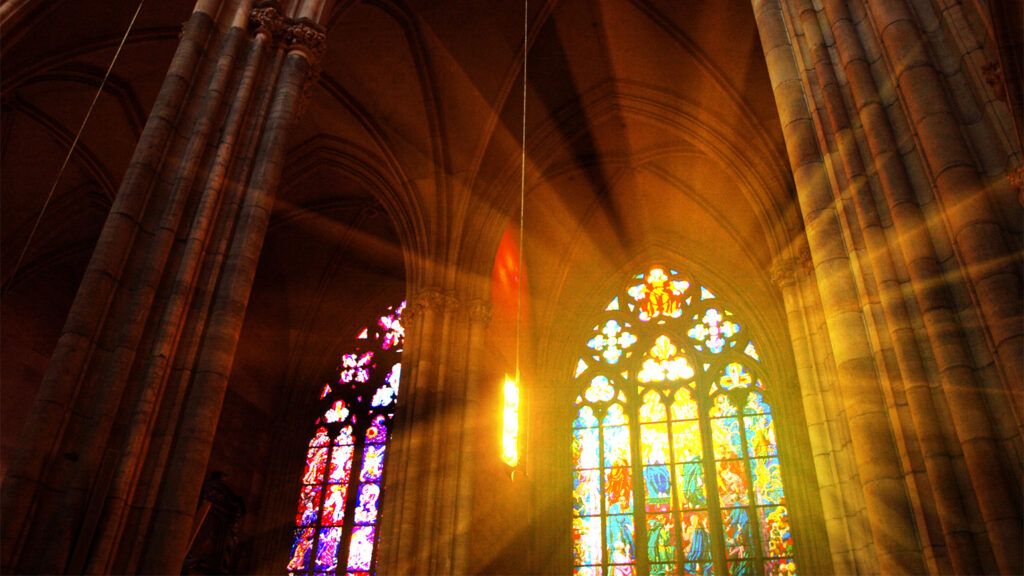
x=510, y=422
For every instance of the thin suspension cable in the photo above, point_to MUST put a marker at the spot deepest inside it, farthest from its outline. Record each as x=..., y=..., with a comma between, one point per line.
x=74, y=143
x=522, y=187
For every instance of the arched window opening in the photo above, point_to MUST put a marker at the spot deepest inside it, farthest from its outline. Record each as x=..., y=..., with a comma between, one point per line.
x=676, y=466
x=340, y=498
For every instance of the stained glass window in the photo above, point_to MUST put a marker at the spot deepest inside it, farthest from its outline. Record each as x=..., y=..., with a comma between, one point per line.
x=675, y=461
x=342, y=484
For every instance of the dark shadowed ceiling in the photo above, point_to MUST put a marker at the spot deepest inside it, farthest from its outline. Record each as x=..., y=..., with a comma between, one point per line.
x=651, y=130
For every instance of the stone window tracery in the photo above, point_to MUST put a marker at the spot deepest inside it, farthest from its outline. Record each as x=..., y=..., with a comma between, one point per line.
x=675, y=461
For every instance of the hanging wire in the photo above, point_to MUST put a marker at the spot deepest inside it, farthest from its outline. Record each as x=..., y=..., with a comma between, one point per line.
x=74, y=143
x=522, y=188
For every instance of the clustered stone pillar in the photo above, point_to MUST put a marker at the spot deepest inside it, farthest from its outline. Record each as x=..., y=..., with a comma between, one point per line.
x=955, y=422
x=117, y=442
x=429, y=481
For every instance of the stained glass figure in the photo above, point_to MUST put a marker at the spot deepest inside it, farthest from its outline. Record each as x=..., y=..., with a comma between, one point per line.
x=686, y=429
x=351, y=436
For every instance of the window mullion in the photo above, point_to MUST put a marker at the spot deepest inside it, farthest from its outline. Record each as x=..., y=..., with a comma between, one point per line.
x=676, y=507
x=714, y=511
x=351, y=495
x=752, y=514
x=636, y=471
x=601, y=482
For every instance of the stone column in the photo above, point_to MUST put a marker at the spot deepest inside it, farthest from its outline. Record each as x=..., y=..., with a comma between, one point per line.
x=979, y=240
x=992, y=480
x=164, y=295
x=927, y=426
x=479, y=312
x=406, y=550
x=785, y=275
x=888, y=507
x=40, y=454
x=302, y=43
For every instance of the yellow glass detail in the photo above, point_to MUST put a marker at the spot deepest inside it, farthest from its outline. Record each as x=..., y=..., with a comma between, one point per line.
x=663, y=363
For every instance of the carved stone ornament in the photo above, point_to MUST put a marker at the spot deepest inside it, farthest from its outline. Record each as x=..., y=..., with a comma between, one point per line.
x=479, y=311
x=266, y=19
x=1016, y=177
x=785, y=270
x=451, y=303
x=308, y=37
x=993, y=74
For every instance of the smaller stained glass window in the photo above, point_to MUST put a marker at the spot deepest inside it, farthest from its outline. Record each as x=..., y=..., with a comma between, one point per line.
x=342, y=482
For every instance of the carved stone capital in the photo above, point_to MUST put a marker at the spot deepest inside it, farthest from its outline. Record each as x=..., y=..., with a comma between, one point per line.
x=307, y=37
x=479, y=311
x=785, y=271
x=427, y=299
x=1016, y=177
x=804, y=261
x=993, y=74
x=266, y=19
x=451, y=303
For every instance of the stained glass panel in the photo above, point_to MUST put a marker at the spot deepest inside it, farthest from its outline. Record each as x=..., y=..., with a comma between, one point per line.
x=373, y=462
x=366, y=510
x=741, y=568
x=334, y=505
x=653, y=409
x=696, y=538
x=620, y=539
x=309, y=506
x=690, y=485
x=301, y=548
x=654, y=443
x=616, y=446
x=341, y=464
x=736, y=530
x=767, y=480
x=661, y=540
x=585, y=418
x=320, y=438
x=327, y=548
x=586, y=493
x=600, y=390
x=725, y=433
x=776, y=536
x=684, y=407
x=780, y=567
x=686, y=441
x=618, y=490
x=732, y=485
x=360, y=550
x=587, y=540
x=657, y=488
x=344, y=436
x=612, y=340
x=377, y=433
x=316, y=460
x=760, y=435
x=585, y=448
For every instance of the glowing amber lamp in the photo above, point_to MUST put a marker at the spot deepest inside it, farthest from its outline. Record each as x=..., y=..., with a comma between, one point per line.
x=510, y=424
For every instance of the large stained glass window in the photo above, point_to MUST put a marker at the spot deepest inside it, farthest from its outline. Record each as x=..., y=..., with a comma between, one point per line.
x=676, y=467
x=340, y=498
